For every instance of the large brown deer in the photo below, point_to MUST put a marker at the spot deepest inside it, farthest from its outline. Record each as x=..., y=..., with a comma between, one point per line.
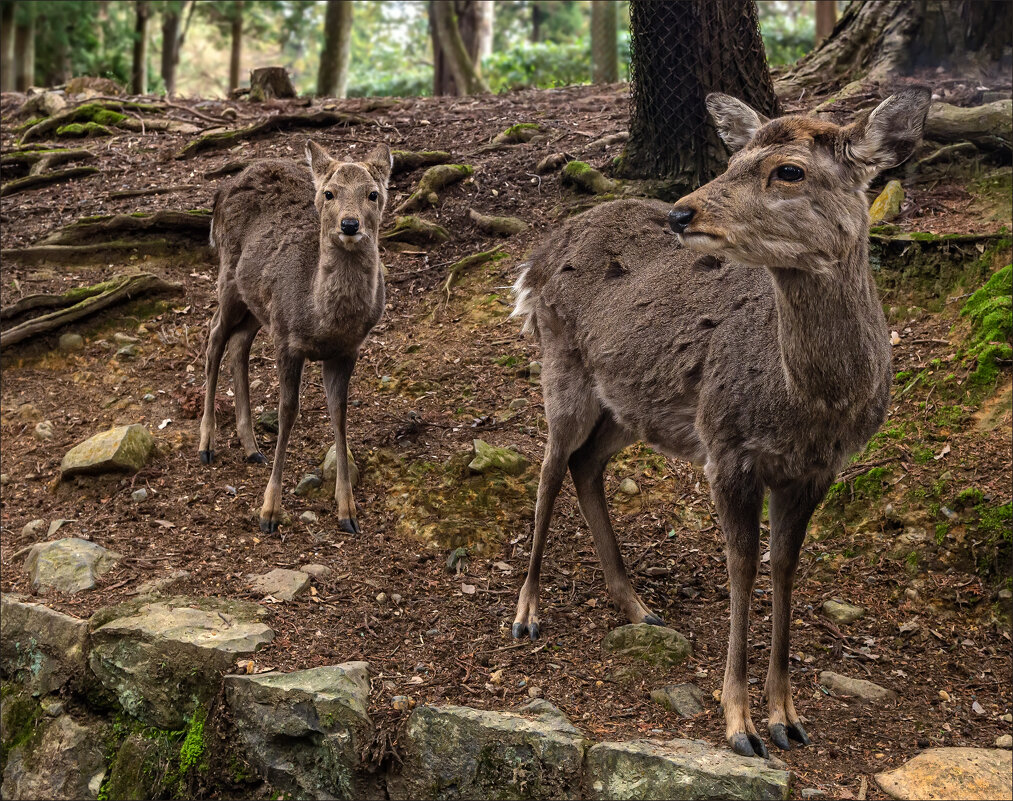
x=753, y=343
x=299, y=255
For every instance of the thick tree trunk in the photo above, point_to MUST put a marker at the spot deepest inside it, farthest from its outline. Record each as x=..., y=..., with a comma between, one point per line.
x=604, y=41
x=680, y=53
x=170, y=48
x=236, y=56
x=332, y=80
x=879, y=39
x=7, y=69
x=139, y=75
x=826, y=16
x=454, y=27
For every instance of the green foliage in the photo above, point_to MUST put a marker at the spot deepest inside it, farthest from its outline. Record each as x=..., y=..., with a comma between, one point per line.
x=788, y=30
x=990, y=311
x=995, y=527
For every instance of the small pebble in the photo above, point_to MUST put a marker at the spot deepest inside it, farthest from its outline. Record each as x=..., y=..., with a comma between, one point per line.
x=911, y=594
x=309, y=516
x=381, y=598
x=395, y=599
x=534, y=369
x=123, y=339
x=420, y=668
x=1004, y=741
x=317, y=571
x=812, y=792
x=53, y=710
x=148, y=398
x=433, y=633
x=518, y=403
x=308, y=482
x=534, y=692
x=33, y=528
x=1005, y=594
x=43, y=431
x=230, y=490
x=629, y=487
x=4, y=479
x=139, y=495
x=127, y=352
x=1007, y=718
x=977, y=708
x=71, y=342
x=401, y=702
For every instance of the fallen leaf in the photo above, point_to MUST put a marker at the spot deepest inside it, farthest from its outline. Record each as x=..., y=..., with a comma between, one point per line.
x=164, y=423
x=943, y=452
x=164, y=523
x=468, y=589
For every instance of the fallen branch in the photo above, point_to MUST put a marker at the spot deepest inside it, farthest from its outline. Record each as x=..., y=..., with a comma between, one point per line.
x=228, y=168
x=457, y=269
x=405, y=160
x=217, y=140
x=155, y=190
x=990, y=125
x=116, y=290
x=45, y=179
x=41, y=160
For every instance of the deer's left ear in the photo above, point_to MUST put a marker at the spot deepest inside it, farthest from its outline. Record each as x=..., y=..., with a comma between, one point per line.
x=890, y=134
x=380, y=162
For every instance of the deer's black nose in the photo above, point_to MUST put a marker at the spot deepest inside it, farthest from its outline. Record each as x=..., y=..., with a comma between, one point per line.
x=349, y=226
x=678, y=219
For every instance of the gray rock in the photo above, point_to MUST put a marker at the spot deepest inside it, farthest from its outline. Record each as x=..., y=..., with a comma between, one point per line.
x=812, y=792
x=684, y=769
x=56, y=525
x=166, y=585
x=841, y=612
x=123, y=339
x=41, y=649
x=33, y=528
x=683, y=699
x=534, y=369
x=162, y=659
x=127, y=352
x=303, y=730
x=5, y=479
x=268, y=421
x=658, y=645
x=629, y=487
x=963, y=773
x=280, y=583
x=147, y=397
x=453, y=752
x=307, y=484
x=488, y=458
x=69, y=565
x=856, y=688
x=120, y=449
x=329, y=468
x=1004, y=741
x=319, y=572
x=63, y=759
x=517, y=403
x=309, y=516
x=139, y=495
x=43, y=431
x=45, y=104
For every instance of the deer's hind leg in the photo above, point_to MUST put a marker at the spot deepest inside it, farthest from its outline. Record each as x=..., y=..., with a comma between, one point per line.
x=241, y=340
x=790, y=509
x=230, y=313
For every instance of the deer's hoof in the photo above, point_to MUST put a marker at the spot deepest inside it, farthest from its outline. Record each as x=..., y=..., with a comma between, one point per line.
x=748, y=745
x=654, y=620
x=349, y=525
x=783, y=735
x=256, y=458
x=530, y=629
x=268, y=526
x=207, y=457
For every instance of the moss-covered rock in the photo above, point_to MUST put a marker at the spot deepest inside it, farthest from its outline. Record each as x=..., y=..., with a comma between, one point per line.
x=142, y=767
x=518, y=134
x=990, y=311
x=887, y=205
x=68, y=565
x=40, y=648
x=121, y=449
x=488, y=457
x=657, y=645
x=81, y=130
x=583, y=177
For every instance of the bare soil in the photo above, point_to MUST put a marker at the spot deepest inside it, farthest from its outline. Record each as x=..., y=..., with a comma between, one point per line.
x=439, y=370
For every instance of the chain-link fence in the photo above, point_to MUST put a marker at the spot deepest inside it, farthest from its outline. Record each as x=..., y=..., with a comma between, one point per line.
x=680, y=52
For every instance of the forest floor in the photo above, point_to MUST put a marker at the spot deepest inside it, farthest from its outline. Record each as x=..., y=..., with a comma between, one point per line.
x=900, y=535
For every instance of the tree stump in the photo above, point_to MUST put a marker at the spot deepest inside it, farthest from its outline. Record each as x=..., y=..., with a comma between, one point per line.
x=267, y=83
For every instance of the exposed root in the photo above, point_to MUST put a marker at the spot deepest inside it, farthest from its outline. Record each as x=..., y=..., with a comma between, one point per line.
x=503, y=226
x=582, y=176
x=216, y=140
x=459, y=268
x=44, y=179
x=407, y=160
x=413, y=230
x=433, y=181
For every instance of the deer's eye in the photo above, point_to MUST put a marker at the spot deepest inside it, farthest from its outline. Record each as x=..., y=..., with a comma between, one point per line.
x=374, y=195
x=789, y=172
x=329, y=195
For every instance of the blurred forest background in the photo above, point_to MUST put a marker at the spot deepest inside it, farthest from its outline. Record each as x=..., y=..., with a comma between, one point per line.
x=366, y=47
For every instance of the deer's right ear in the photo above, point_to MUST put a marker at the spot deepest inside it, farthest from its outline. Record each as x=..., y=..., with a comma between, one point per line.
x=318, y=159
x=736, y=122
x=890, y=134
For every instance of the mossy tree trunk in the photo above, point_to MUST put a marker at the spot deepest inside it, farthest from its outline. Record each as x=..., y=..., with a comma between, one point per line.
x=826, y=17
x=455, y=28
x=332, y=80
x=172, y=39
x=680, y=52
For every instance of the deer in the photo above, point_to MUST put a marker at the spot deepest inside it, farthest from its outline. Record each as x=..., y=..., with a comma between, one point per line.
x=298, y=255
x=741, y=331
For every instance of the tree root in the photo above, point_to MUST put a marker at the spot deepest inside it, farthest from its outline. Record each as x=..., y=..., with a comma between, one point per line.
x=458, y=268
x=155, y=190
x=406, y=160
x=99, y=113
x=216, y=140
x=504, y=226
x=228, y=168
x=517, y=134
x=411, y=230
x=552, y=162
x=587, y=179
x=432, y=181
x=40, y=160
x=33, y=181
x=989, y=126
x=190, y=226
x=84, y=302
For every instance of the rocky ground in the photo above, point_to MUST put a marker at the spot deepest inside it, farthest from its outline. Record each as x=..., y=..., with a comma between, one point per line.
x=903, y=584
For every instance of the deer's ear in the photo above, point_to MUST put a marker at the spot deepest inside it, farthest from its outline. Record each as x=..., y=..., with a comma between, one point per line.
x=319, y=160
x=380, y=162
x=890, y=134
x=736, y=122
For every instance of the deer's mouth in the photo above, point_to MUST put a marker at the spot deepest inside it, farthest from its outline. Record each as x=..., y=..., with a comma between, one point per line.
x=702, y=240
x=347, y=240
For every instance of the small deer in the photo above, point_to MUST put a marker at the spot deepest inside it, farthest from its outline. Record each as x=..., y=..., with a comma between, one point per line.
x=753, y=343
x=299, y=256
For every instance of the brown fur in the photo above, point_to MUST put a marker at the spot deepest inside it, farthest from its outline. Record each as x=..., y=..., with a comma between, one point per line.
x=287, y=266
x=754, y=344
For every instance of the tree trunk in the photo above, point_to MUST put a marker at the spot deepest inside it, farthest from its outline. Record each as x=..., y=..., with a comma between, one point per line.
x=454, y=27
x=332, y=80
x=680, y=53
x=881, y=39
x=236, y=57
x=485, y=19
x=826, y=16
x=170, y=51
x=537, y=15
x=139, y=75
x=604, y=43
x=7, y=69
x=24, y=53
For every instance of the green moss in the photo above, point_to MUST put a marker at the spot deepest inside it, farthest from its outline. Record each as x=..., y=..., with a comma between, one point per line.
x=870, y=485
x=968, y=497
x=83, y=129
x=942, y=529
x=922, y=455
x=990, y=311
x=575, y=168
x=902, y=377
x=18, y=721
x=994, y=529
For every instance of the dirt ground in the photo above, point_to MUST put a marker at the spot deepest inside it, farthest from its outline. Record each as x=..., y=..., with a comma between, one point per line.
x=441, y=369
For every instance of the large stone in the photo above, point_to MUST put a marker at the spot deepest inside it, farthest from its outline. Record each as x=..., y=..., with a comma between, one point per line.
x=685, y=700
x=69, y=565
x=281, y=584
x=856, y=688
x=41, y=649
x=658, y=645
x=841, y=612
x=679, y=769
x=489, y=457
x=163, y=658
x=139, y=769
x=63, y=759
x=45, y=104
x=303, y=730
x=887, y=205
x=329, y=468
x=453, y=752
x=124, y=449
x=952, y=773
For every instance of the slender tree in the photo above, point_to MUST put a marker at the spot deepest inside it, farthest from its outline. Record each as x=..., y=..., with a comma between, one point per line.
x=7, y=69
x=174, y=13
x=332, y=80
x=604, y=42
x=24, y=48
x=826, y=16
x=485, y=23
x=680, y=52
x=139, y=73
x=236, y=52
x=537, y=17
x=454, y=29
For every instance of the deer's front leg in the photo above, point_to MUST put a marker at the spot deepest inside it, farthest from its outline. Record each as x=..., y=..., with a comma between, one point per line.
x=738, y=503
x=337, y=373
x=289, y=380
x=790, y=510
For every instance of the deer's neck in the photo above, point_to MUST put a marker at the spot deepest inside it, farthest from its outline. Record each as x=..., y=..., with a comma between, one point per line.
x=346, y=279
x=831, y=330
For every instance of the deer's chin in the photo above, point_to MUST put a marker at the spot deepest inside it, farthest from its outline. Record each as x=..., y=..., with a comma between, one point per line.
x=346, y=241
x=703, y=242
